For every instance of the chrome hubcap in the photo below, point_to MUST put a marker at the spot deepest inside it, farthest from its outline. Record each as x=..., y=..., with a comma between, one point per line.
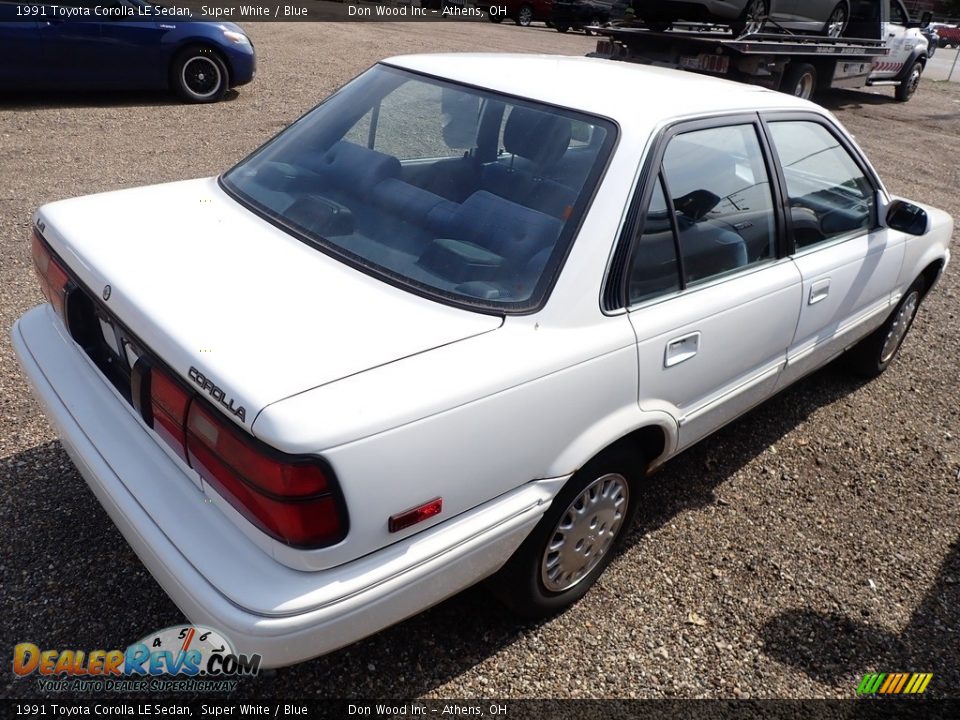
x=756, y=16
x=804, y=88
x=837, y=22
x=585, y=532
x=914, y=79
x=901, y=323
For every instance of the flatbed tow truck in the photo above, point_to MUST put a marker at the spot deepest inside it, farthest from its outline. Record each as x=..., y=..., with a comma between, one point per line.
x=881, y=46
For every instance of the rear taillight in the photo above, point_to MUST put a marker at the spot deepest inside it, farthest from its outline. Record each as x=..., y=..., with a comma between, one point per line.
x=53, y=277
x=168, y=404
x=288, y=497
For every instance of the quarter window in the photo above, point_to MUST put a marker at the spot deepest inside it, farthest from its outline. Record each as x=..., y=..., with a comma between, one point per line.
x=713, y=202
x=830, y=197
x=654, y=270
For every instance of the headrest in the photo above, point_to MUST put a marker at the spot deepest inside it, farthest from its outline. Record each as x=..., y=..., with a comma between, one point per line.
x=536, y=136
x=349, y=166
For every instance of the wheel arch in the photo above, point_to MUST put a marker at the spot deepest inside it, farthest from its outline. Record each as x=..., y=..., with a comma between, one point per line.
x=199, y=42
x=651, y=435
x=931, y=274
x=916, y=56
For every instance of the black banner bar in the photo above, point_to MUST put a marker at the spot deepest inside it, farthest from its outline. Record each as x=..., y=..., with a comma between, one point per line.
x=255, y=11
x=216, y=709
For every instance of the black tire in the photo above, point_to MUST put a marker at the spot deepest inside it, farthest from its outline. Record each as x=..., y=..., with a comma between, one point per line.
x=524, y=15
x=875, y=353
x=800, y=80
x=908, y=87
x=521, y=583
x=199, y=75
x=751, y=21
x=837, y=20
x=562, y=28
x=495, y=19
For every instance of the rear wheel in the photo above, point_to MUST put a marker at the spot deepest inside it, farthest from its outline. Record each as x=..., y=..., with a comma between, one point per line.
x=199, y=75
x=837, y=22
x=908, y=87
x=800, y=80
x=525, y=16
x=874, y=354
x=574, y=541
x=753, y=18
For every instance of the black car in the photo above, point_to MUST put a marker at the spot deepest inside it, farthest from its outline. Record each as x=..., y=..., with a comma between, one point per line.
x=579, y=14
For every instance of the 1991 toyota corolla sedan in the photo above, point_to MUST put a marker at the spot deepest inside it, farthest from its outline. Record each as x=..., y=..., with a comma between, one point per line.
x=440, y=327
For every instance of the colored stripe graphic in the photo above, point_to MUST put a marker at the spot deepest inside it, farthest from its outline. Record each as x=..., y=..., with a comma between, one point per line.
x=870, y=683
x=894, y=683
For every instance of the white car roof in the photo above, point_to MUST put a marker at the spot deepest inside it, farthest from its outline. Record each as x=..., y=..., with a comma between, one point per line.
x=629, y=93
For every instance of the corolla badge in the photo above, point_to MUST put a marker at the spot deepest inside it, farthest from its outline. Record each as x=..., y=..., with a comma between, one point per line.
x=217, y=393
x=106, y=292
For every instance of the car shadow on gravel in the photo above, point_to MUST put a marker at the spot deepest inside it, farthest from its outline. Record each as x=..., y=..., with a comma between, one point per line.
x=690, y=480
x=839, y=99
x=407, y=660
x=31, y=101
x=826, y=646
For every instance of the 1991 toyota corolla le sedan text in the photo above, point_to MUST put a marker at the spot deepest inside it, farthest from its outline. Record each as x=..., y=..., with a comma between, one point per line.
x=439, y=328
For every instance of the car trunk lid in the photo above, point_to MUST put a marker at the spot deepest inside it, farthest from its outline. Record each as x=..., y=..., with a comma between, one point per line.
x=233, y=305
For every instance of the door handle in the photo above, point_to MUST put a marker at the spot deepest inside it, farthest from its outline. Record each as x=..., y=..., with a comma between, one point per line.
x=682, y=349
x=819, y=291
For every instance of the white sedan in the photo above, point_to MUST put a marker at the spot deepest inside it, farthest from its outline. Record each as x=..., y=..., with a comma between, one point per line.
x=440, y=328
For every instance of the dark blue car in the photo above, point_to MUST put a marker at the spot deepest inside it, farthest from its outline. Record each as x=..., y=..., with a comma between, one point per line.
x=120, y=44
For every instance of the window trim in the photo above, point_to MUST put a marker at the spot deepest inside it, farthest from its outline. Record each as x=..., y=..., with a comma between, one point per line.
x=766, y=118
x=616, y=293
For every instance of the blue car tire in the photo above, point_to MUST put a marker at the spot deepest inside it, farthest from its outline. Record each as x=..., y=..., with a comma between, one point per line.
x=199, y=75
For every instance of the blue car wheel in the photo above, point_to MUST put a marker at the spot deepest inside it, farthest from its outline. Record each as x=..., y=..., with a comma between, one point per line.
x=199, y=75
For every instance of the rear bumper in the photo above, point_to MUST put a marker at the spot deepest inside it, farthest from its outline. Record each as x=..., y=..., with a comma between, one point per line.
x=210, y=569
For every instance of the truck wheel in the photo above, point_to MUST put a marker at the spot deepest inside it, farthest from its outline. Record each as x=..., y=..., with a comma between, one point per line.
x=837, y=22
x=800, y=80
x=753, y=18
x=908, y=87
x=574, y=541
x=872, y=355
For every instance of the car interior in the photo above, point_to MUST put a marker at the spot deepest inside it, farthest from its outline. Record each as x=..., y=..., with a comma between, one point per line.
x=467, y=195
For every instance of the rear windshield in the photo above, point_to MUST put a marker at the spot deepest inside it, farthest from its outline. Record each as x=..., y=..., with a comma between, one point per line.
x=459, y=193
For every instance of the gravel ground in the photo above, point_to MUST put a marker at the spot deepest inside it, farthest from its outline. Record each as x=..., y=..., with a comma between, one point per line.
x=812, y=541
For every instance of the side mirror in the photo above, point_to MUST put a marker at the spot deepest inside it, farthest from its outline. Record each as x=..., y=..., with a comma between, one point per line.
x=926, y=19
x=907, y=217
